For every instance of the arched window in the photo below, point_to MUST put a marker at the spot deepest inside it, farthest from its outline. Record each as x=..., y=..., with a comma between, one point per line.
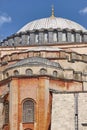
x=16, y=72
x=55, y=73
x=46, y=36
x=55, y=36
x=36, y=37
x=6, y=106
x=28, y=111
x=64, y=36
x=43, y=71
x=73, y=37
x=28, y=39
x=29, y=72
x=81, y=38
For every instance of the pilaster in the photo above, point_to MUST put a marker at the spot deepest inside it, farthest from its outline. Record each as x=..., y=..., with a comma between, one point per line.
x=43, y=104
x=13, y=105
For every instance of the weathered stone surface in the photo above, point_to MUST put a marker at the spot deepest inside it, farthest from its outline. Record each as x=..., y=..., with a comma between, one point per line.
x=69, y=111
x=82, y=111
x=63, y=112
x=1, y=116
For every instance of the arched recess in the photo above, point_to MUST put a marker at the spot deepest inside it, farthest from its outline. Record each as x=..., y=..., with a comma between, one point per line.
x=55, y=73
x=16, y=72
x=28, y=108
x=43, y=71
x=29, y=72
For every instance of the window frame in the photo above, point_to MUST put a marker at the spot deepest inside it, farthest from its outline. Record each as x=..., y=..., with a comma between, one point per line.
x=33, y=120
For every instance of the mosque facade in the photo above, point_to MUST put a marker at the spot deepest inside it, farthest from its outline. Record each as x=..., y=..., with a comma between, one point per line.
x=43, y=76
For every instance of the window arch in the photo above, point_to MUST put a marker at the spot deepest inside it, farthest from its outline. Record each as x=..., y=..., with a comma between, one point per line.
x=29, y=72
x=6, y=108
x=28, y=111
x=16, y=72
x=43, y=71
x=55, y=36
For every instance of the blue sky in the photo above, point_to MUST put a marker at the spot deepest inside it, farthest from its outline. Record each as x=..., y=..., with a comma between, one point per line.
x=14, y=14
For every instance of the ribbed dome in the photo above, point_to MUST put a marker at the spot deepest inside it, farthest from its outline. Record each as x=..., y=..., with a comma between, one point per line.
x=52, y=22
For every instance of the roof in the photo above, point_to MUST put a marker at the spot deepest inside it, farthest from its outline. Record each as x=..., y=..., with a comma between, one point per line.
x=52, y=23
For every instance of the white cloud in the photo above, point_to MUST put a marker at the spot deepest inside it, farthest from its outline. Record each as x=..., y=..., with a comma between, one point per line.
x=83, y=11
x=4, y=18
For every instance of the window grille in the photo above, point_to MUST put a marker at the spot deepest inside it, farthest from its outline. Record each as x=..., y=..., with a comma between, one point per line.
x=28, y=111
x=6, y=106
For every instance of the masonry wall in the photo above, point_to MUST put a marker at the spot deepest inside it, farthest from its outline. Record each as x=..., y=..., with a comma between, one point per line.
x=69, y=111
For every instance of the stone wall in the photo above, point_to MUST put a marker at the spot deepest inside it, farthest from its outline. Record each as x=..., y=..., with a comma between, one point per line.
x=63, y=112
x=69, y=111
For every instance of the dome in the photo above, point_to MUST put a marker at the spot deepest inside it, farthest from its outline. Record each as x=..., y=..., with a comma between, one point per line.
x=53, y=23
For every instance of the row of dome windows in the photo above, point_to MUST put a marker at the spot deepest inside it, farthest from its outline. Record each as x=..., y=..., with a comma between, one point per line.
x=55, y=37
x=46, y=37
x=30, y=72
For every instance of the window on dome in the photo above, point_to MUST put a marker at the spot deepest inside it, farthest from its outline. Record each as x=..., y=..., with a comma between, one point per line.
x=36, y=37
x=28, y=111
x=80, y=38
x=28, y=41
x=46, y=36
x=55, y=36
x=64, y=36
x=72, y=37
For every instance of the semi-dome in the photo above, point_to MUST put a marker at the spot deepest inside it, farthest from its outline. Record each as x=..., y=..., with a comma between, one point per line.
x=53, y=23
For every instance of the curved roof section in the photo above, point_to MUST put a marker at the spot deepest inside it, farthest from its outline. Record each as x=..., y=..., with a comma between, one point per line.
x=52, y=22
x=34, y=61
